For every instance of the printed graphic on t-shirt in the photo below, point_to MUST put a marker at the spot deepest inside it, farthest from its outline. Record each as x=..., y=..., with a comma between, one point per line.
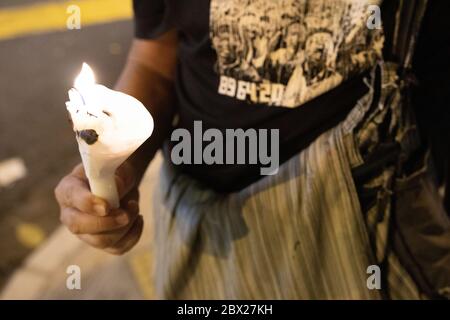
x=287, y=52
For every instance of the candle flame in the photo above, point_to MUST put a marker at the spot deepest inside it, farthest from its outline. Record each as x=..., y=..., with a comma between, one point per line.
x=85, y=78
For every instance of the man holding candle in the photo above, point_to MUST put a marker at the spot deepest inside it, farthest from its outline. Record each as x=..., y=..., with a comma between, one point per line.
x=312, y=230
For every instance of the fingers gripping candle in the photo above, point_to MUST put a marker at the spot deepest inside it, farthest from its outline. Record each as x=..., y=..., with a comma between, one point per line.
x=109, y=126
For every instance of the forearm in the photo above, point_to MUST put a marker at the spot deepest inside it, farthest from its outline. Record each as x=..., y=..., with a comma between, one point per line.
x=154, y=88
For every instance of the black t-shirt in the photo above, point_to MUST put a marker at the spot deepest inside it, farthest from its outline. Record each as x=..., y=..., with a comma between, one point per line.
x=296, y=66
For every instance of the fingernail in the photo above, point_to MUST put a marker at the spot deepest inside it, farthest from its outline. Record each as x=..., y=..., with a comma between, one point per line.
x=100, y=209
x=122, y=219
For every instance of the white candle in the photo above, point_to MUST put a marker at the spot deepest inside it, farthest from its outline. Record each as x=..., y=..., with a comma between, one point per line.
x=109, y=127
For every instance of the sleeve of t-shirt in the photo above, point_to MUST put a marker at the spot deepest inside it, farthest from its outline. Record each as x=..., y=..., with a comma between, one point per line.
x=151, y=18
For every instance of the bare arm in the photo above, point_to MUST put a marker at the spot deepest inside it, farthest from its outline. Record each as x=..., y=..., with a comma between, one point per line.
x=148, y=76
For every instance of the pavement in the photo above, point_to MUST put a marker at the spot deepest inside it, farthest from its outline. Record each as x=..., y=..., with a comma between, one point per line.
x=36, y=70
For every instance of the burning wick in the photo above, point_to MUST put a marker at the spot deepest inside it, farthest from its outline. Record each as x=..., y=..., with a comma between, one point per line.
x=85, y=79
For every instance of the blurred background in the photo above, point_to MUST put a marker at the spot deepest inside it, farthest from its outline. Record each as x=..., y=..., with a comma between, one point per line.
x=39, y=59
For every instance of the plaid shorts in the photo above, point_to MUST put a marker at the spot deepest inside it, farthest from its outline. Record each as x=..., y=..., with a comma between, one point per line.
x=304, y=233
